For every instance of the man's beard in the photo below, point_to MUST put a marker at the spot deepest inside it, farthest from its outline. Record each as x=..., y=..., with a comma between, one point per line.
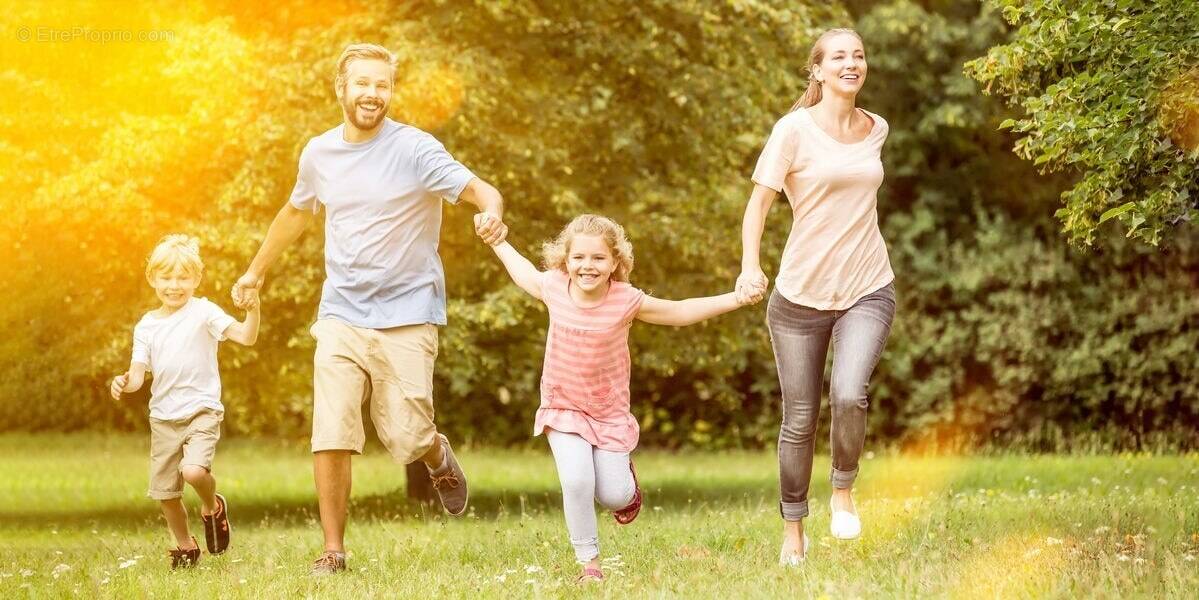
x=369, y=122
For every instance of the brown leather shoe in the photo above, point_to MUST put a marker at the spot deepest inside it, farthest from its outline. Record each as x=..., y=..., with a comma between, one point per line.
x=328, y=563
x=450, y=481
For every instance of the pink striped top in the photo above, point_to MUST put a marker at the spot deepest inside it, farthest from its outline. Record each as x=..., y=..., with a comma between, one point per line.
x=585, y=380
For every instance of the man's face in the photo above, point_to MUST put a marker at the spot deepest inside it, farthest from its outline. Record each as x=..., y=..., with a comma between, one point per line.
x=365, y=94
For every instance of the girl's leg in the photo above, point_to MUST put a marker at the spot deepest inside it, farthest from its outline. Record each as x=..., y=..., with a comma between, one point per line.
x=176, y=516
x=799, y=336
x=205, y=485
x=858, y=339
x=614, y=485
x=576, y=473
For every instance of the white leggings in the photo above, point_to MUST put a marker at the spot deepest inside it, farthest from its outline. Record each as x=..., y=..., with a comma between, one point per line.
x=589, y=474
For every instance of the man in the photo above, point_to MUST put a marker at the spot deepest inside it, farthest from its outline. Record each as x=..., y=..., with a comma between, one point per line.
x=381, y=183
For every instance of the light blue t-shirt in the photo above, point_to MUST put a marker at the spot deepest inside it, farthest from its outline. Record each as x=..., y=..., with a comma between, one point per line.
x=382, y=202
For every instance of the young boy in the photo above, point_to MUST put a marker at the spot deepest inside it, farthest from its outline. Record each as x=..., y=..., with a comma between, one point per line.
x=177, y=343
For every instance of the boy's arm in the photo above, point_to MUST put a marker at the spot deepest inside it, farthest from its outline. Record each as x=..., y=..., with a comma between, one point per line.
x=128, y=382
x=685, y=312
x=246, y=332
x=520, y=269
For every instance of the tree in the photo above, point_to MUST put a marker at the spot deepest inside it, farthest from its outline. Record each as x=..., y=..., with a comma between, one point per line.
x=1109, y=91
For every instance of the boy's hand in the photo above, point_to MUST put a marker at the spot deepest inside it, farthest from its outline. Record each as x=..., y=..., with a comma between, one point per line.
x=118, y=385
x=245, y=291
x=490, y=229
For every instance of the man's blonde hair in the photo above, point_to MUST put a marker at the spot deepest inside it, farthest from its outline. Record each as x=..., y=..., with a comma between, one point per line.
x=362, y=51
x=554, y=252
x=175, y=251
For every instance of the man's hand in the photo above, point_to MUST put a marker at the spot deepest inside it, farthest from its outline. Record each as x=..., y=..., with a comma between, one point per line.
x=118, y=385
x=245, y=291
x=490, y=228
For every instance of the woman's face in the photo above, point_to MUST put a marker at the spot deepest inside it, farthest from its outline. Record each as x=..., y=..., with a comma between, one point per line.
x=843, y=68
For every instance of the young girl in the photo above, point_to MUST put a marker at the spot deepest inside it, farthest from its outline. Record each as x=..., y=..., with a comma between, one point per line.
x=585, y=381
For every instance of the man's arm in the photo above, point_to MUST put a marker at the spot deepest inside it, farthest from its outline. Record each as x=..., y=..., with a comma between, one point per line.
x=489, y=222
x=284, y=230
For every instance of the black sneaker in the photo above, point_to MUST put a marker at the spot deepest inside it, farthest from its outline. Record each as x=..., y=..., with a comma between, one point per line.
x=450, y=481
x=328, y=563
x=216, y=527
x=185, y=559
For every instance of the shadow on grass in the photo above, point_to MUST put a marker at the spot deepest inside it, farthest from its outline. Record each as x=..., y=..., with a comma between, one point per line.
x=393, y=506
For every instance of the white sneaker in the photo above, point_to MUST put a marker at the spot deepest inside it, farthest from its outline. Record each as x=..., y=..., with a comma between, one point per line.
x=791, y=559
x=844, y=525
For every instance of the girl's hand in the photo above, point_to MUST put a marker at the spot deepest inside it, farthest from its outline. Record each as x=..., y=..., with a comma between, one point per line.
x=751, y=286
x=118, y=385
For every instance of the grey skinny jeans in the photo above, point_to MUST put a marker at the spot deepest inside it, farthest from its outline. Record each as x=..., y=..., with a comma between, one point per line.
x=800, y=337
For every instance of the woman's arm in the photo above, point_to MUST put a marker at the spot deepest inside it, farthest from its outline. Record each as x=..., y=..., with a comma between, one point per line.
x=686, y=312
x=752, y=282
x=523, y=273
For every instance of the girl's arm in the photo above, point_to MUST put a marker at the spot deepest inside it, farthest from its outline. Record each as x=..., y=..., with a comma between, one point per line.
x=128, y=382
x=685, y=312
x=527, y=276
x=246, y=332
x=753, y=281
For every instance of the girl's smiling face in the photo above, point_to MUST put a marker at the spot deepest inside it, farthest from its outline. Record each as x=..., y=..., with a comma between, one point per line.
x=589, y=263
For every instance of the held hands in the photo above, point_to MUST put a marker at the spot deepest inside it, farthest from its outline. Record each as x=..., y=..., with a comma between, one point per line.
x=490, y=229
x=245, y=291
x=118, y=385
x=751, y=287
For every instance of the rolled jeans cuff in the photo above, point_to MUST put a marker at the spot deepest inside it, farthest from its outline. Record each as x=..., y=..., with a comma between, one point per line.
x=793, y=511
x=842, y=479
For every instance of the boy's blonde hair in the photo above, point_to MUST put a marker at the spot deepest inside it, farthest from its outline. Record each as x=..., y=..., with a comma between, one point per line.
x=554, y=252
x=362, y=51
x=175, y=251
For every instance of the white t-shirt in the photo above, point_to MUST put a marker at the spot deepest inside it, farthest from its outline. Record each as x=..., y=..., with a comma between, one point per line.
x=180, y=351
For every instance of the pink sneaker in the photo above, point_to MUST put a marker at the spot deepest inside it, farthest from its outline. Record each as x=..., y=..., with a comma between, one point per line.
x=590, y=574
x=626, y=515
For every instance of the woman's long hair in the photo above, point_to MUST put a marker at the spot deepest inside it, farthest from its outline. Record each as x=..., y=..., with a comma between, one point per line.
x=812, y=95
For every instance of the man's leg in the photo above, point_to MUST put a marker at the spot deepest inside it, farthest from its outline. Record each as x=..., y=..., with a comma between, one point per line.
x=331, y=469
x=340, y=385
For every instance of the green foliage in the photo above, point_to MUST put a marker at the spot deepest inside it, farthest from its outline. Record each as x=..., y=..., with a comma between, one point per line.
x=1109, y=90
x=652, y=112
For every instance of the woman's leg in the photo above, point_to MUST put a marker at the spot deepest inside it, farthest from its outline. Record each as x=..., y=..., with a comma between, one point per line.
x=859, y=335
x=576, y=473
x=799, y=336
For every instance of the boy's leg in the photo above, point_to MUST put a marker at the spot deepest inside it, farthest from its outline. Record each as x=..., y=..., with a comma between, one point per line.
x=176, y=516
x=199, y=450
x=204, y=483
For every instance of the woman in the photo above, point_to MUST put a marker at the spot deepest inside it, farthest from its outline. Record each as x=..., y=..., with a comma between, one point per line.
x=834, y=280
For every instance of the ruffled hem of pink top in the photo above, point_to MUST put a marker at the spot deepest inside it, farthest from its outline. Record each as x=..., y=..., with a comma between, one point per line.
x=576, y=422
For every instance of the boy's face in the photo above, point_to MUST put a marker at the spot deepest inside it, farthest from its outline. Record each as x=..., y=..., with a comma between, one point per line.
x=174, y=287
x=589, y=262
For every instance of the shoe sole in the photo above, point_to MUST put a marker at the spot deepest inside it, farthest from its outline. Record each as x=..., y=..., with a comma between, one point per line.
x=228, y=525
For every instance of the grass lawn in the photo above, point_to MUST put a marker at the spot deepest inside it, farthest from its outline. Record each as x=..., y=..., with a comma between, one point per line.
x=74, y=522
